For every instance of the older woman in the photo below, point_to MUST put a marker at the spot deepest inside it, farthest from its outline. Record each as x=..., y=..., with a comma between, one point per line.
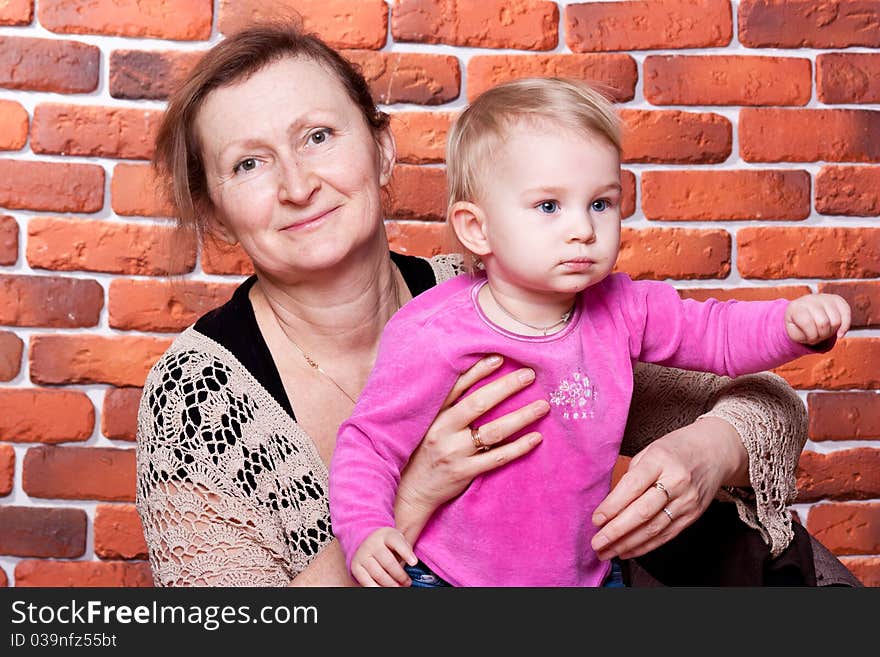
x=273, y=143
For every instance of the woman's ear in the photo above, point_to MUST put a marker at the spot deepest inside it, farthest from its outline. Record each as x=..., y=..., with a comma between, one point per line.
x=217, y=228
x=469, y=223
x=387, y=155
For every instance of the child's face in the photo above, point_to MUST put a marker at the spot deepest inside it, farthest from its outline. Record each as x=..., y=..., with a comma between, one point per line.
x=552, y=210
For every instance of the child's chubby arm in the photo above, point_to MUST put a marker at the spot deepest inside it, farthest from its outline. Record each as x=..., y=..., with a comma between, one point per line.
x=377, y=561
x=814, y=318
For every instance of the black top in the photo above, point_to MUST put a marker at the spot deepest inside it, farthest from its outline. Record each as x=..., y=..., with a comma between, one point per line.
x=234, y=326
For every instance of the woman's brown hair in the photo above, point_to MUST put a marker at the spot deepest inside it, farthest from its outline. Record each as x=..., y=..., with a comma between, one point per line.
x=178, y=156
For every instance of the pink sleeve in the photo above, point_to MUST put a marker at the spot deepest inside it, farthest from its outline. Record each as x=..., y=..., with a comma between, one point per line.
x=403, y=394
x=724, y=337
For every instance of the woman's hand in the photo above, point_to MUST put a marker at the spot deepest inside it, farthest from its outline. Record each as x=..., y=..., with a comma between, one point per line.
x=690, y=465
x=448, y=458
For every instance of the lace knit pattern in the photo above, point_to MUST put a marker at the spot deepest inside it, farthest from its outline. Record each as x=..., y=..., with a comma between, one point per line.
x=232, y=492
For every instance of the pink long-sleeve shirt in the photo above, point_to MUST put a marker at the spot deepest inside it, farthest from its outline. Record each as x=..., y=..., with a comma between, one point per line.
x=528, y=522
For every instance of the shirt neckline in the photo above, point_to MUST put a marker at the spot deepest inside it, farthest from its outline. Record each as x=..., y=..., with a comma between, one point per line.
x=550, y=337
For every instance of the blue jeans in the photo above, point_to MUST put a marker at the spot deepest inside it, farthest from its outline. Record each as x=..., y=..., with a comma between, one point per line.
x=424, y=578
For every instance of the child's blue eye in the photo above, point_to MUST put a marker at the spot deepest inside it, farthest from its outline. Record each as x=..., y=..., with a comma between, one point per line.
x=601, y=205
x=548, y=207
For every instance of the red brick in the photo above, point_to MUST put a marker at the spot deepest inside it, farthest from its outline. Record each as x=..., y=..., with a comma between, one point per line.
x=16, y=12
x=849, y=474
x=148, y=75
x=677, y=253
x=838, y=135
x=648, y=25
x=95, y=131
x=846, y=528
x=404, y=77
x=118, y=361
x=866, y=569
x=727, y=80
x=42, y=532
x=421, y=136
x=48, y=65
x=118, y=532
x=163, y=306
x=675, y=137
x=108, y=246
x=58, y=187
x=744, y=293
x=851, y=191
x=628, y=199
x=135, y=191
x=13, y=125
x=33, y=415
x=419, y=238
x=848, y=77
x=50, y=301
x=218, y=257
x=844, y=415
x=181, y=20
x=119, y=413
x=10, y=355
x=726, y=195
x=8, y=240
x=418, y=193
x=7, y=469
x=82, y=574
x=863, y=298
x=773, y=252
x=615, y=75
x=520, y=24
x=851, y=364
x=80, y=473
x=807, y=24
x=341, y=23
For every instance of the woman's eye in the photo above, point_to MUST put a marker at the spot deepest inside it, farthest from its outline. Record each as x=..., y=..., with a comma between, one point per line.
x=601, y=205
x=548, y=207
x=248, y=164
x=319, y=136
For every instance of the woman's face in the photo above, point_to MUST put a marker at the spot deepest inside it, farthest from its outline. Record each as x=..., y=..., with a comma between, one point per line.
x=293, y=170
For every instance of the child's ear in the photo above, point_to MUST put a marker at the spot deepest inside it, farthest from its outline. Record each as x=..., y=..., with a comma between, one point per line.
x=469, y=223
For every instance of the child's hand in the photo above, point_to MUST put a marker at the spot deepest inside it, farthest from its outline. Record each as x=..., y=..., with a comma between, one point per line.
x=813, y=318
x=377, y=561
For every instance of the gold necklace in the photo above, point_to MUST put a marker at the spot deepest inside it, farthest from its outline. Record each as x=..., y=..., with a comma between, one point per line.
x=314, y=364
x=562, y=320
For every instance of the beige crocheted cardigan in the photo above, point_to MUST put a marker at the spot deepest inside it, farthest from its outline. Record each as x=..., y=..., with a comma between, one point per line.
x=232, y=492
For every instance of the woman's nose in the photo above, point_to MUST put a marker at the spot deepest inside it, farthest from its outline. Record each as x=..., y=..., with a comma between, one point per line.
x=297, y=183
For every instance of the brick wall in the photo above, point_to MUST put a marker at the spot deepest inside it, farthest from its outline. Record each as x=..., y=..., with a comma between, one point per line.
x=751, y=162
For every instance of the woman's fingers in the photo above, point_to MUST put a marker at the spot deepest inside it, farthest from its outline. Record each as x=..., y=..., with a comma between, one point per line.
x=631, y=486
x=469, y=408
x=498, y=456
x=500, y=428
x=481, y=369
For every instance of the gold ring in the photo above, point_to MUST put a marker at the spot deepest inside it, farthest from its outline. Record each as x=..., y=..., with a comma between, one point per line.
x=475, y=436
x=660, y=486
x=669, y=514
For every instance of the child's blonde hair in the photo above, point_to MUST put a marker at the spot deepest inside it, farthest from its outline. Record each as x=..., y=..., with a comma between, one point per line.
x=481, y=129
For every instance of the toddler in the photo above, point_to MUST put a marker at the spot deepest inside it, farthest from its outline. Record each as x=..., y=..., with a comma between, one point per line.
x=534, y=186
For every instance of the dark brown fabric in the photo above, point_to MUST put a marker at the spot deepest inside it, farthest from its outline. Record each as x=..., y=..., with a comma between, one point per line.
x=719, y=550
